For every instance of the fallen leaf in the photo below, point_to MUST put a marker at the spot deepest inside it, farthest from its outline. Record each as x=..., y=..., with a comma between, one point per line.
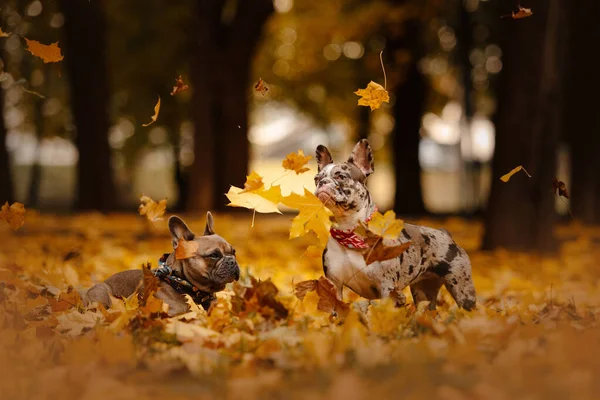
x=151, y=209
x=522, y=12
x=313, y=216
x=383, y=250
x=261, y=86
x=179, y=86
x=155, y=116
x=259, y=298
x=13, y=215
x=4, y=34
x=506, y=177
x=328, y=298
x=372, y=96
x=560, y=188
x=47, y=52
x=149, y=284
x=296, y=162
x=186, y=249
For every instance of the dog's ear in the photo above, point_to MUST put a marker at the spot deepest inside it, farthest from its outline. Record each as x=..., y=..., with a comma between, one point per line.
x=323, y=157
x=362, y=157
x=179, y=230
x=209, y=229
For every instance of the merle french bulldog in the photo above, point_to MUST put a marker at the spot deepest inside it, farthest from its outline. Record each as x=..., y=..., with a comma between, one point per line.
x=209, y=269
x=433, y=259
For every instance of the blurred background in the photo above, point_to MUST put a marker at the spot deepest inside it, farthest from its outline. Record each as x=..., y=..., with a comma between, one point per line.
x=473, y=94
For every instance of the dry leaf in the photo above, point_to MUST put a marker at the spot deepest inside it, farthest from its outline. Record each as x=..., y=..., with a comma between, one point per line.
x=4, y=34
x=560, y=188
x=506, y=177
x=151, y=209
x=186, y=249
x=13, y=215
x=253, y=183
x=296, y=162
x=254, y=196
x=522, y=12
x=372, y=96
x=149, y=284
x=313, y=216
x=155, y=116
x=179, y=86
x=261, y=86
x=386, y=226
x=328, y=298
x=382, y=250
x=260, y=298
x=48, y=53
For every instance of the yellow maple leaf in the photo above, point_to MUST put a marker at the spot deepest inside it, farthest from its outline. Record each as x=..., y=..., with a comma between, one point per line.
x=296, y=162
x=506, y=177
x=313, y=216
x=151, y=209
x=386, y=226
x=47, y=52
x=155, y=116
x=253, y=183
x=372, y=96
x=4, y=34
x=261, y=200
x=13, y=215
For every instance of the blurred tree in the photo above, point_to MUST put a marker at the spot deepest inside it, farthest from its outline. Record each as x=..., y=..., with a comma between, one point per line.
x=520, y=213
x=85, y=58
x=410, y=89
x=6, y=188
x=582, y=127
x=227, y=33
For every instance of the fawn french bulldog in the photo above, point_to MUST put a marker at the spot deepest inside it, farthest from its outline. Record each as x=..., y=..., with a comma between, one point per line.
x=432, y=260
x=209, y=269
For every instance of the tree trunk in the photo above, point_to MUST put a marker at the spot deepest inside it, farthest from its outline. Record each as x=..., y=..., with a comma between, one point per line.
x=581, y=125
x=85, y=58
x=408, y=110
x=6, y=188
x=220, y=76
x=520, y=213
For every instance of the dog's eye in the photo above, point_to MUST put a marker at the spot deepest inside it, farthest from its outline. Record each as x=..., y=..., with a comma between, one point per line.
x=215, y=255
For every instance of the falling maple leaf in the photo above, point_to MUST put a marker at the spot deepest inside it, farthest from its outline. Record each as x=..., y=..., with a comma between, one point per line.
x=261, y=86
x=155, y=116
x=372, y=96
x=296, y=162
x=186, y=249
x=506, y=177
x=381, y=236
x=13, y=215
x=179, y=86
x=4, y=34
x=560, y=188
x=522, y=12
x=313, y=216
x=386, y=225
x=151, y=209
x=328, y=297
x=254, y=182
x=47, y=52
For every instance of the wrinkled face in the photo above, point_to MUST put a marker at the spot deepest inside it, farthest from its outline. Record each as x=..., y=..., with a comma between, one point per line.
x=341, y=188
x=214, y=264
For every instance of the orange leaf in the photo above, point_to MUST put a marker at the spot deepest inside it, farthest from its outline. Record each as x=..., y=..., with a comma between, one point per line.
x=506, y=177
x=186, y=249
x=155, y=116
x=14, y=215
x=253, y=183
x=328, y=299
x=296, y=162
x=151, y=209
x=261, y=87
x=372, y=96
x=47, y=52
x=179, y=86
x=4, y=34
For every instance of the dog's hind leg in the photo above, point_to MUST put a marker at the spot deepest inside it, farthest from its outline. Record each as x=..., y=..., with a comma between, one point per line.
x=99, y=293
x=426, y=290
x=460, y=285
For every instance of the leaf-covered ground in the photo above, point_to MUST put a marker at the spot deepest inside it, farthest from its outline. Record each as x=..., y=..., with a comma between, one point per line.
x=534, y=335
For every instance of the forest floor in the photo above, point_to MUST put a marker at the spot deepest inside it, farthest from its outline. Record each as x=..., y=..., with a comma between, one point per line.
x=534, y=335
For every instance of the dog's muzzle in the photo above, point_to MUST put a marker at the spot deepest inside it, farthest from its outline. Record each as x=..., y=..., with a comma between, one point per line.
x=228, y=270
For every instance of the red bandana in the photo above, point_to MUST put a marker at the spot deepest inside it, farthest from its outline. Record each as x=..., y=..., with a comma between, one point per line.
x=348, y=238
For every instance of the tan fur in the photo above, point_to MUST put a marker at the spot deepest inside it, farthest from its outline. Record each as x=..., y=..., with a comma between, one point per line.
x=203, y=271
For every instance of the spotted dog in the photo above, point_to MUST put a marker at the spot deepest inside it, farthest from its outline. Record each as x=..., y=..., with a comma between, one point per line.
x=432, y=260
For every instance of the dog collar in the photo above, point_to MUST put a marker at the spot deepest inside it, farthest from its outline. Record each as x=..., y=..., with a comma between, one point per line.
x=182, y=286
x=350, y=239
